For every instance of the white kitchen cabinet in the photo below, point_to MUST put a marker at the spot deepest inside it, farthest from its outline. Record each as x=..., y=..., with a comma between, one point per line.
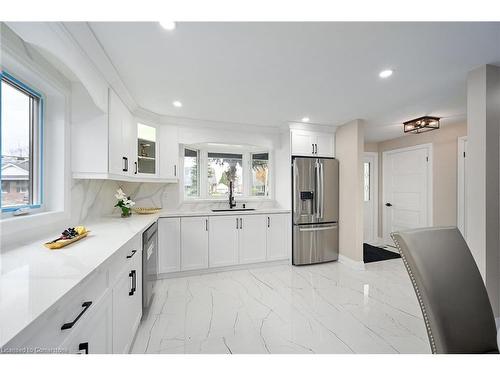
x=306, y=143
x=95, y=334
x=121, y=137
x=127, y=304
x=223, y=240
x=169, y=152
x=252, y=239
x=194, y=243
x=278, y=237
x=169, y=245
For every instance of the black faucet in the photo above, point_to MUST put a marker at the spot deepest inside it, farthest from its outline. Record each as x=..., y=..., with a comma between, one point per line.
x=232, y=202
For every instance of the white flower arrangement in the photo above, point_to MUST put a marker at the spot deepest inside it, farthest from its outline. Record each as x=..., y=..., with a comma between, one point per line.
x=124, y=202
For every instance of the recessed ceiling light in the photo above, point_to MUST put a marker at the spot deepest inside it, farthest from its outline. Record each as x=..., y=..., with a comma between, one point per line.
x=385, y=73
x=168, y=25
x=177, y=103
x=305, y=119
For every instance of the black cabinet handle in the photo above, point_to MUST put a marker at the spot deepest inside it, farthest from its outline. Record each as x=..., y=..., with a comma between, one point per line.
x=125, y=164
x=83, y=346
x=241, y=223
x=312, y=144
x=70, y=325
x=175, y=170
x=132, y=274
x=132, y=254
x=388, y=205
x=237, y=224
x=136, y=168
x=268, y=221
x=206, y=225
x=316, y=148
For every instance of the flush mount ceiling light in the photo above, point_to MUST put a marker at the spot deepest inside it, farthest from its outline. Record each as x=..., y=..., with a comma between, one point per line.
x=305, y=119
x=168, y=25
x=177, y=103
x=385, y=73
x=421, y=124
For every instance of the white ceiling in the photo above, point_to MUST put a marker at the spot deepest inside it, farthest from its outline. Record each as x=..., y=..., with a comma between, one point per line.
x=270, y=73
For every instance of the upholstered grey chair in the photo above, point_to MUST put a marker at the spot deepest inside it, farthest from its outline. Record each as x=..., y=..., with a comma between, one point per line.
x=451, y=293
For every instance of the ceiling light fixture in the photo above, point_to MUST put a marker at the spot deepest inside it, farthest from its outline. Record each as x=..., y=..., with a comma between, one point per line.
x=385, y=73
x=168, y=25
x=421, y=124
x=177, y=103
x=305, y=119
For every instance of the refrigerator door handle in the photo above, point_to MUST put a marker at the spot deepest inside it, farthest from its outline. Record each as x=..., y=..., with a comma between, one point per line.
x=322, y=192
x=317, y=197
x=317, y=229
x=296, y=191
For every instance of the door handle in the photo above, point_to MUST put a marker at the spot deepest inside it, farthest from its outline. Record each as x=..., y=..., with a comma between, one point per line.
x=206, y=225
x=312, y=144
x=175, y=170
x=241, y=223
x=316, y=149
x=83, y=347
x=268, y=221
x=133, y=274
x=388, y=205
x=237, y=224
x=132, y=254
x=136, y=168
x=70, y=325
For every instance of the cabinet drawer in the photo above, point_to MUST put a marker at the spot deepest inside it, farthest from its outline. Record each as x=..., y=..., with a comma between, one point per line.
x=50, y=330
x=127, y=254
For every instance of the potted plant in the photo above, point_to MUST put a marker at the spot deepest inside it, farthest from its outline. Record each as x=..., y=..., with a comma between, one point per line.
x=124, y=203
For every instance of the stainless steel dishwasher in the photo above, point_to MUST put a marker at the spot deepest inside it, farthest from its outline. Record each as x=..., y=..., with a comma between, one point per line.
x=149, y=265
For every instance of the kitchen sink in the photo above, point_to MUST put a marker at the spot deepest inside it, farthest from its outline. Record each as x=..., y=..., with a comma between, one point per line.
x=232, y=209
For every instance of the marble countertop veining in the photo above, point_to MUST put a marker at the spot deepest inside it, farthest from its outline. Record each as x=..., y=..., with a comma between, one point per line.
x=33, y=278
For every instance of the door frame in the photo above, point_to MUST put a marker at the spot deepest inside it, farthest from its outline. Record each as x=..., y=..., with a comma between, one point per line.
x=374, y=192
x=429, y=148
x=461, y=187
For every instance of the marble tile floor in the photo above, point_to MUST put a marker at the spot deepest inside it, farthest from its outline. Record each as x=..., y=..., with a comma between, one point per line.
x=326, y=308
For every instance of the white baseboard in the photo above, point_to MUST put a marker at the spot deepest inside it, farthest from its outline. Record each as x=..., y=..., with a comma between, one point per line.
x=357, y=265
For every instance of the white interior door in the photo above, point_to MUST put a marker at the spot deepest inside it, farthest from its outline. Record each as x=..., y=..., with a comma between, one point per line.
x=462, y=186
x=370, y=197
x=407, y=189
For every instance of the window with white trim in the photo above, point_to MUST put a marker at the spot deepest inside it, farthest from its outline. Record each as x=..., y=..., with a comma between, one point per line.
x=20, y=131
x=209, y=171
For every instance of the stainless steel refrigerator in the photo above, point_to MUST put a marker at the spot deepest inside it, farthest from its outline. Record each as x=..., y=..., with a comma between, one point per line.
x=315, y=202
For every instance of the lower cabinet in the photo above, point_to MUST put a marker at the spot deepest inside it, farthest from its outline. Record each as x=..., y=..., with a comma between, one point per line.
x=194, y=243
x=169, y=245
x=252, y=239
x=127, y=304
x=223, y=241
x=94, y=335
x=278, y=236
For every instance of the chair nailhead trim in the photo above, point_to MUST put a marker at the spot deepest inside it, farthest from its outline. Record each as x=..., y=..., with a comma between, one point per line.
x=419, y=296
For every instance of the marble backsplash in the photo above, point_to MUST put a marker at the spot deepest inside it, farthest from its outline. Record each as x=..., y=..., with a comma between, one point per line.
x=91, y=199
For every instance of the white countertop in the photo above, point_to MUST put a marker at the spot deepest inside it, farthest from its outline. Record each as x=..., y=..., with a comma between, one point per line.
x=33, y=278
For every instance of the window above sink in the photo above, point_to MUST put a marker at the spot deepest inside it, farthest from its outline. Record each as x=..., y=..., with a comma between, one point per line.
x=208, y=169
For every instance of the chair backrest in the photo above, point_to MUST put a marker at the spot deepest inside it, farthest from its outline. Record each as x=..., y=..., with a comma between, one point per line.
x=451, y=293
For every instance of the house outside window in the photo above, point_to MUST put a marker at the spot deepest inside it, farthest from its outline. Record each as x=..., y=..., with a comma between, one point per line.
x=208, y=172
x=21, y=129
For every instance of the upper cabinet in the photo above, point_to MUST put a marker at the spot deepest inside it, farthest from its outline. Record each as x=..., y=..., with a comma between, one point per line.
x=306, y=143
x=147, y=150
x=115, y=146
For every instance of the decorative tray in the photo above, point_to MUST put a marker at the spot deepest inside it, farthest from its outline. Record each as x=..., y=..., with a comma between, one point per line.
x=146, y=210
x=61, y=242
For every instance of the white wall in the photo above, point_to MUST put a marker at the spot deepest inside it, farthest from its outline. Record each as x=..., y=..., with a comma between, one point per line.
x=349, y=150
x=483, y=183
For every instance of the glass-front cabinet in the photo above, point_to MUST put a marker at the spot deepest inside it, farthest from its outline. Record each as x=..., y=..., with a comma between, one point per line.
x=146, y=149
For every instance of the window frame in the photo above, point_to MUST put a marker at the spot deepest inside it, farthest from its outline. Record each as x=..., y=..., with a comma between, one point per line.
x=246, y=176
x=36, y=143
